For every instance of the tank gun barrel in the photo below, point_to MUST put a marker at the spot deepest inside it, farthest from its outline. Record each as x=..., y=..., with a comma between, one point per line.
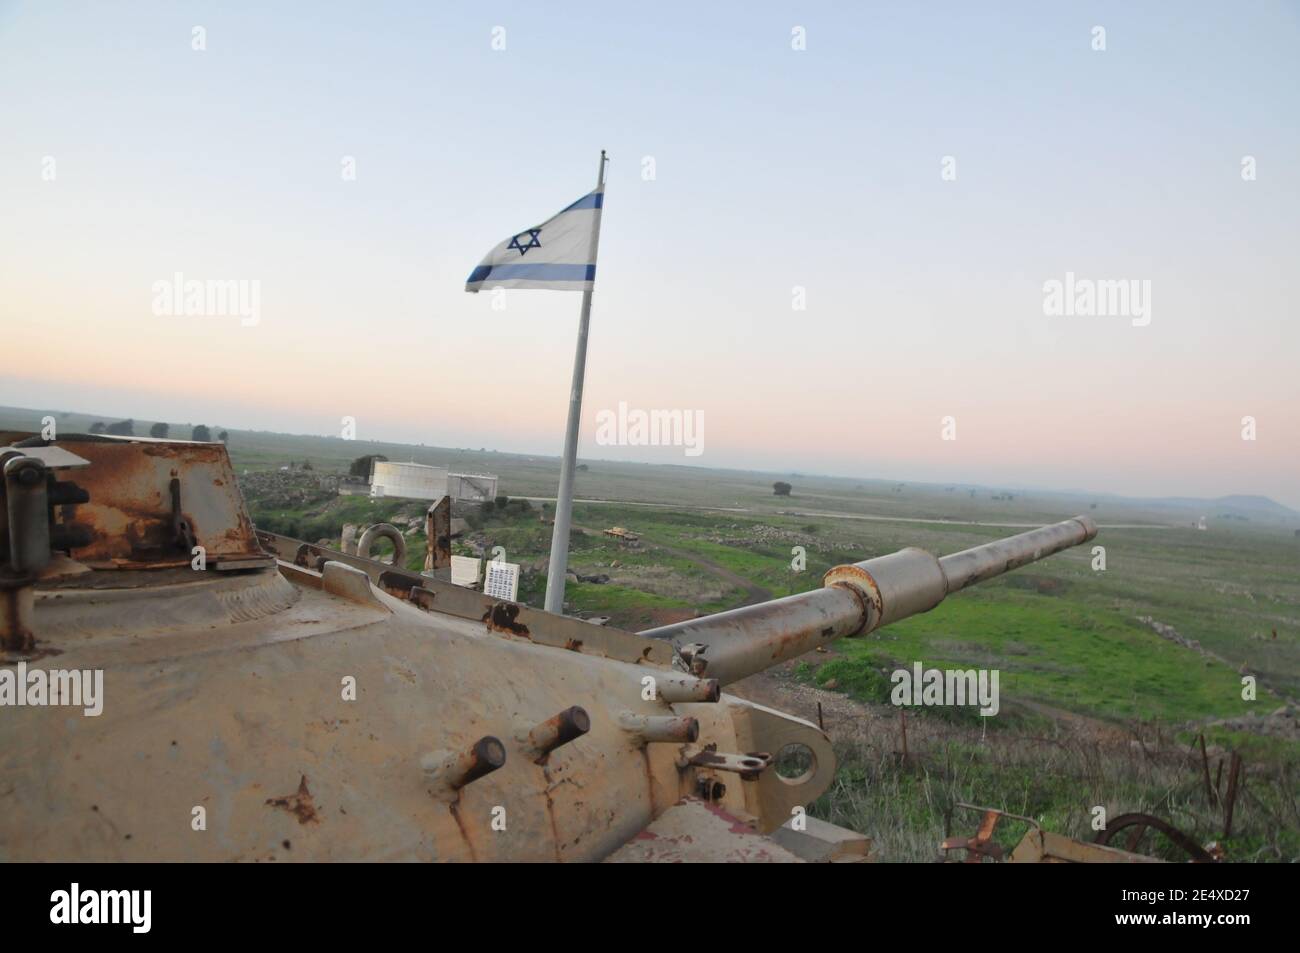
x=854, y=599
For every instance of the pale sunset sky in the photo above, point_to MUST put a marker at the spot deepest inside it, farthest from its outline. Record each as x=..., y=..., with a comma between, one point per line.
x=127, y=155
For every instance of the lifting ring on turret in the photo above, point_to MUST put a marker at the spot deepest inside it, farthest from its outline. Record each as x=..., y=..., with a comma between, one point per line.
x=386, y=531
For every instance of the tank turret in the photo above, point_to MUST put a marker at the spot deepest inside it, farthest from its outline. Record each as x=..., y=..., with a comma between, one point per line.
x=180, y=686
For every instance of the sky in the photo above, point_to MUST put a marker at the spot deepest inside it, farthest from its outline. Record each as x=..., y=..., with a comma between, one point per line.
x=823, y=252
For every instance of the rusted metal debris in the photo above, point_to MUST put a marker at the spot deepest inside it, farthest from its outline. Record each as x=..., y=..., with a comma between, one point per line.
x=1137, y=824
x=982, y=844
x=1040, y=846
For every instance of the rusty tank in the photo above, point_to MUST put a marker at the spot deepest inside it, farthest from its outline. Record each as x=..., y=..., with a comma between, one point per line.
x=261, y=698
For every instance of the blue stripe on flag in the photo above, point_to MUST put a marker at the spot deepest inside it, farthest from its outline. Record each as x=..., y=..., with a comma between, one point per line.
x=535, y=272
x=592, y=200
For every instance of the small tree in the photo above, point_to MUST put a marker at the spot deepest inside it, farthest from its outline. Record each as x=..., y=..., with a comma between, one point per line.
x=781, y=488
x=502, y=502
x=123, y=428
x=159, y=430
x=223, y=436
x=201, y=432
x=97, y=427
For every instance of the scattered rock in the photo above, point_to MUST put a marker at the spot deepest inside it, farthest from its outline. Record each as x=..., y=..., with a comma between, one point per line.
x=1169, y=632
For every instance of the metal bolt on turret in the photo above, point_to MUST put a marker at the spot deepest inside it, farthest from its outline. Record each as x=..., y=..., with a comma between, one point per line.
x=556, y=731
x=660, y=728
x=449, y=771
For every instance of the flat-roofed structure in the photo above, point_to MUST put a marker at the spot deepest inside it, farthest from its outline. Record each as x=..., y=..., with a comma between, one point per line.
x=412, y=481
x=471, y=487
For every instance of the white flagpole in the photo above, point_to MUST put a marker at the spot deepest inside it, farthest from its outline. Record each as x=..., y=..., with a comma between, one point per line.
x=564, y=500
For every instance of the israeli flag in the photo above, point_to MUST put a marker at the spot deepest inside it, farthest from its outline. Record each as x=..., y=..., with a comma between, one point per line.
x=559, y=254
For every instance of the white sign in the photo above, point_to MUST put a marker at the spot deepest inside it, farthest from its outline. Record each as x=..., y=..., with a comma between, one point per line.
x=502, y=580
x=464, y=570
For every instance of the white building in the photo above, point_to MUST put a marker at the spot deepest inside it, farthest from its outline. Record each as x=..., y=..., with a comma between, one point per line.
x=472, y=487
x=419, y=481
x=413, y=481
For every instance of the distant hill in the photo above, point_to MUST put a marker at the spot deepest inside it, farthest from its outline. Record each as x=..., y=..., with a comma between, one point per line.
x=1261, y=504
x=1258, y=509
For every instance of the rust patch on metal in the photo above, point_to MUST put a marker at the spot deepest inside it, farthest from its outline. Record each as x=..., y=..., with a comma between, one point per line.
x=16, y=638
x=423, y=598
x=859, y=582
x=18, y=641
x=454, y=808
x=17, y=609
x=550, y=812
x=396, y=585
x=134, y=516
x=502, y=617
x=650, y=780
x=300, y=805
x=737, y=825
x=558, y=730
x=785, y=645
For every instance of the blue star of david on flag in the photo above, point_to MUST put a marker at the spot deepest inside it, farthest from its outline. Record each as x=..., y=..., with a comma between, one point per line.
x=566, y=262
x=532, y=234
